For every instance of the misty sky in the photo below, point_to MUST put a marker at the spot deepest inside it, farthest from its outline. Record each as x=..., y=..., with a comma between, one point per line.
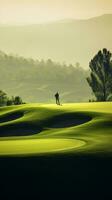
x=36, y=11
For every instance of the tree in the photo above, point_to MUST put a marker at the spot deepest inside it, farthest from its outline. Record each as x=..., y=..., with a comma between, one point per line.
x=17, y=100
x=10, y=101
x=100, y=79
x=3, y=98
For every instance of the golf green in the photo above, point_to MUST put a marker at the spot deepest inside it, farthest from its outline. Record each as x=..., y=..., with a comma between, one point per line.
x=35, y=129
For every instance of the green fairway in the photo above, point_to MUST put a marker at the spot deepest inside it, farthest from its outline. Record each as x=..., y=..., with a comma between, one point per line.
x=35, y=129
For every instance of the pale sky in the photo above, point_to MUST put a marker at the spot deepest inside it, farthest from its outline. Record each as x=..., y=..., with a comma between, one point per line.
x=37, y=11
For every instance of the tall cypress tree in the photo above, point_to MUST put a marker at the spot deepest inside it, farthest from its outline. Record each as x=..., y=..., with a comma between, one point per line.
x=100, y=79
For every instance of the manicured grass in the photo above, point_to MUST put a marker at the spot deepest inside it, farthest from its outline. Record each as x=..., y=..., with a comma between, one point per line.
x=56, y=151
x=36, y=129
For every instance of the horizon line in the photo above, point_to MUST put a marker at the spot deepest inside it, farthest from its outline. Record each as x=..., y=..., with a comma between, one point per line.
x=51, y=21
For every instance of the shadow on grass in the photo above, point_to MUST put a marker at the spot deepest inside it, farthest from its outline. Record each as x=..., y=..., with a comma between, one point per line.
x=68, y=120
x=19, y=129
x=25, y=128
x=11, y=116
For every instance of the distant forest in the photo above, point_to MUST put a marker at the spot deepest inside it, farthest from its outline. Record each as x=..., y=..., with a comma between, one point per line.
x=37, y=81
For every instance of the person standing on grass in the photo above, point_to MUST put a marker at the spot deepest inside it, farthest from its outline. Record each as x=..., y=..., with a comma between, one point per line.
x=57, y=97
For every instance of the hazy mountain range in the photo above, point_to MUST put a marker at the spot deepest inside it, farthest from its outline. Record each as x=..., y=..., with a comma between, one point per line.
x=65, y=40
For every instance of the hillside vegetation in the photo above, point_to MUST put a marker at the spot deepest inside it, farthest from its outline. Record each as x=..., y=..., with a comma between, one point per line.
x=38, y=81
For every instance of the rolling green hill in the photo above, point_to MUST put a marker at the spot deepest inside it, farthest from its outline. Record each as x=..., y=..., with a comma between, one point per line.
x=37, y=129
x=48, y=150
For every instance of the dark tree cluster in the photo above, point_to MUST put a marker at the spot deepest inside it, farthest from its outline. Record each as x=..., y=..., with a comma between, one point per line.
x=3, y=98
x=100, y=79
x=7, y=101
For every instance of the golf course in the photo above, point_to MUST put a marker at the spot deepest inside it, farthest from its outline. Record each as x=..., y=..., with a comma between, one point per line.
x=64, y=150
x=35, y=129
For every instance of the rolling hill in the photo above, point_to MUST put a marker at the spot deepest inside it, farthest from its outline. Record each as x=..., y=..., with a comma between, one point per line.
x=63, y=150
x=66, y=40
x=45, y=129
x=38, y=81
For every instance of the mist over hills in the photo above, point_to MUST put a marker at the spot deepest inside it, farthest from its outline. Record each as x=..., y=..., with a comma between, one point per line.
x=38, y=81
x=65, y=40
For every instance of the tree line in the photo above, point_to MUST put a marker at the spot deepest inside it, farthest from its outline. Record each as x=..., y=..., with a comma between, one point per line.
x=37, y=80
x=8, y=101
x=99, y=78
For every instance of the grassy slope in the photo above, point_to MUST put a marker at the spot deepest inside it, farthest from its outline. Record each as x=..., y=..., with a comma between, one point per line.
x=95, y=136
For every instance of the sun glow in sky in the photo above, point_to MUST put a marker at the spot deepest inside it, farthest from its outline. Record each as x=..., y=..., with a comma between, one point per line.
x=36, y=11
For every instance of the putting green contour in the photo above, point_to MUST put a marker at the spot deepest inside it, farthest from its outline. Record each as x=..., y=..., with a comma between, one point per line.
x=35, y=129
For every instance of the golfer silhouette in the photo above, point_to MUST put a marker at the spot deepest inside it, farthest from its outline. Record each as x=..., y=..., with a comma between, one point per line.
x=57, y=98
